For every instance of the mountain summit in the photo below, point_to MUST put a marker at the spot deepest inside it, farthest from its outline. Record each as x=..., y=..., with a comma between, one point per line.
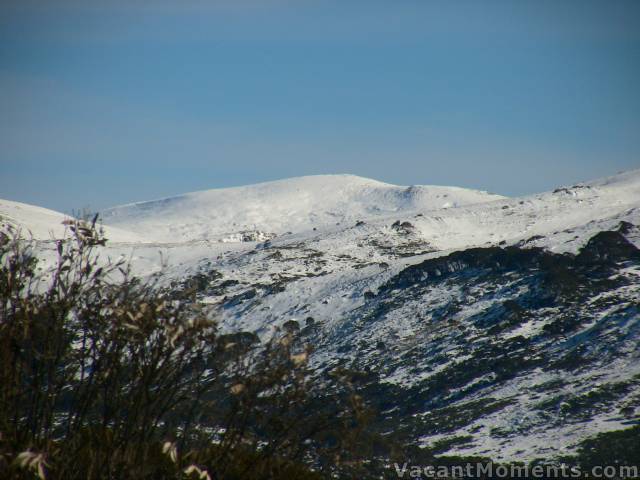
x=295, y=204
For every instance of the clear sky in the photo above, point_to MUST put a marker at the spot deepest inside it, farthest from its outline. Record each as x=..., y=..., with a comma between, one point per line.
x=109, y=102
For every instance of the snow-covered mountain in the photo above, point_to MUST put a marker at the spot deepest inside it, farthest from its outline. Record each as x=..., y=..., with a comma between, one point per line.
x=481, y=325
x=297, y=205
x=44, y=224
x=447, y=217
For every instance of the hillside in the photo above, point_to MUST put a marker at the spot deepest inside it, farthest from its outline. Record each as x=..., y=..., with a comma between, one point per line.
x=480, y=325
x=44, y=224
x=297, y=205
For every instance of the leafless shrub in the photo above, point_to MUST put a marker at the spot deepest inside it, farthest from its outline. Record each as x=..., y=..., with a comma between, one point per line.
x=105, y=376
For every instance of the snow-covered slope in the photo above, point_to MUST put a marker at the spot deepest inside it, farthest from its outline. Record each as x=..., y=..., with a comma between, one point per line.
x=503, y=327
x=558, y=220
x=295, y=205
x=44, y=224
x=446, y=217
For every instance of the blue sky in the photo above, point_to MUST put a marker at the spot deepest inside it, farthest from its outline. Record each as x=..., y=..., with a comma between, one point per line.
x=106, y=103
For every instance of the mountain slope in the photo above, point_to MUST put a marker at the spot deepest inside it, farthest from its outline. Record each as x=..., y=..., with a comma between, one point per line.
x=518, y=353
x=446, y=217
x=44, y=224
x=519, y=345
x=296, y=205
x=476, y=324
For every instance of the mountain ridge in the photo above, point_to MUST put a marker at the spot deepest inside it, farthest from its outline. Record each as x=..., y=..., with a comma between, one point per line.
x=506, y=329
x=299, y=203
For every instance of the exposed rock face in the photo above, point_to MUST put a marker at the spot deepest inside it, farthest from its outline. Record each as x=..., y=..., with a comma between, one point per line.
x=502, y=346
x=508, y=352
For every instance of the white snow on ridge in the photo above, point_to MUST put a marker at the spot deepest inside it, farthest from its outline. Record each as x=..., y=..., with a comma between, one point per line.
x=329, y=205
x=296, y=204
x=446, y=217
x=324, y=209
x=44, y=224
x=560, y=220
